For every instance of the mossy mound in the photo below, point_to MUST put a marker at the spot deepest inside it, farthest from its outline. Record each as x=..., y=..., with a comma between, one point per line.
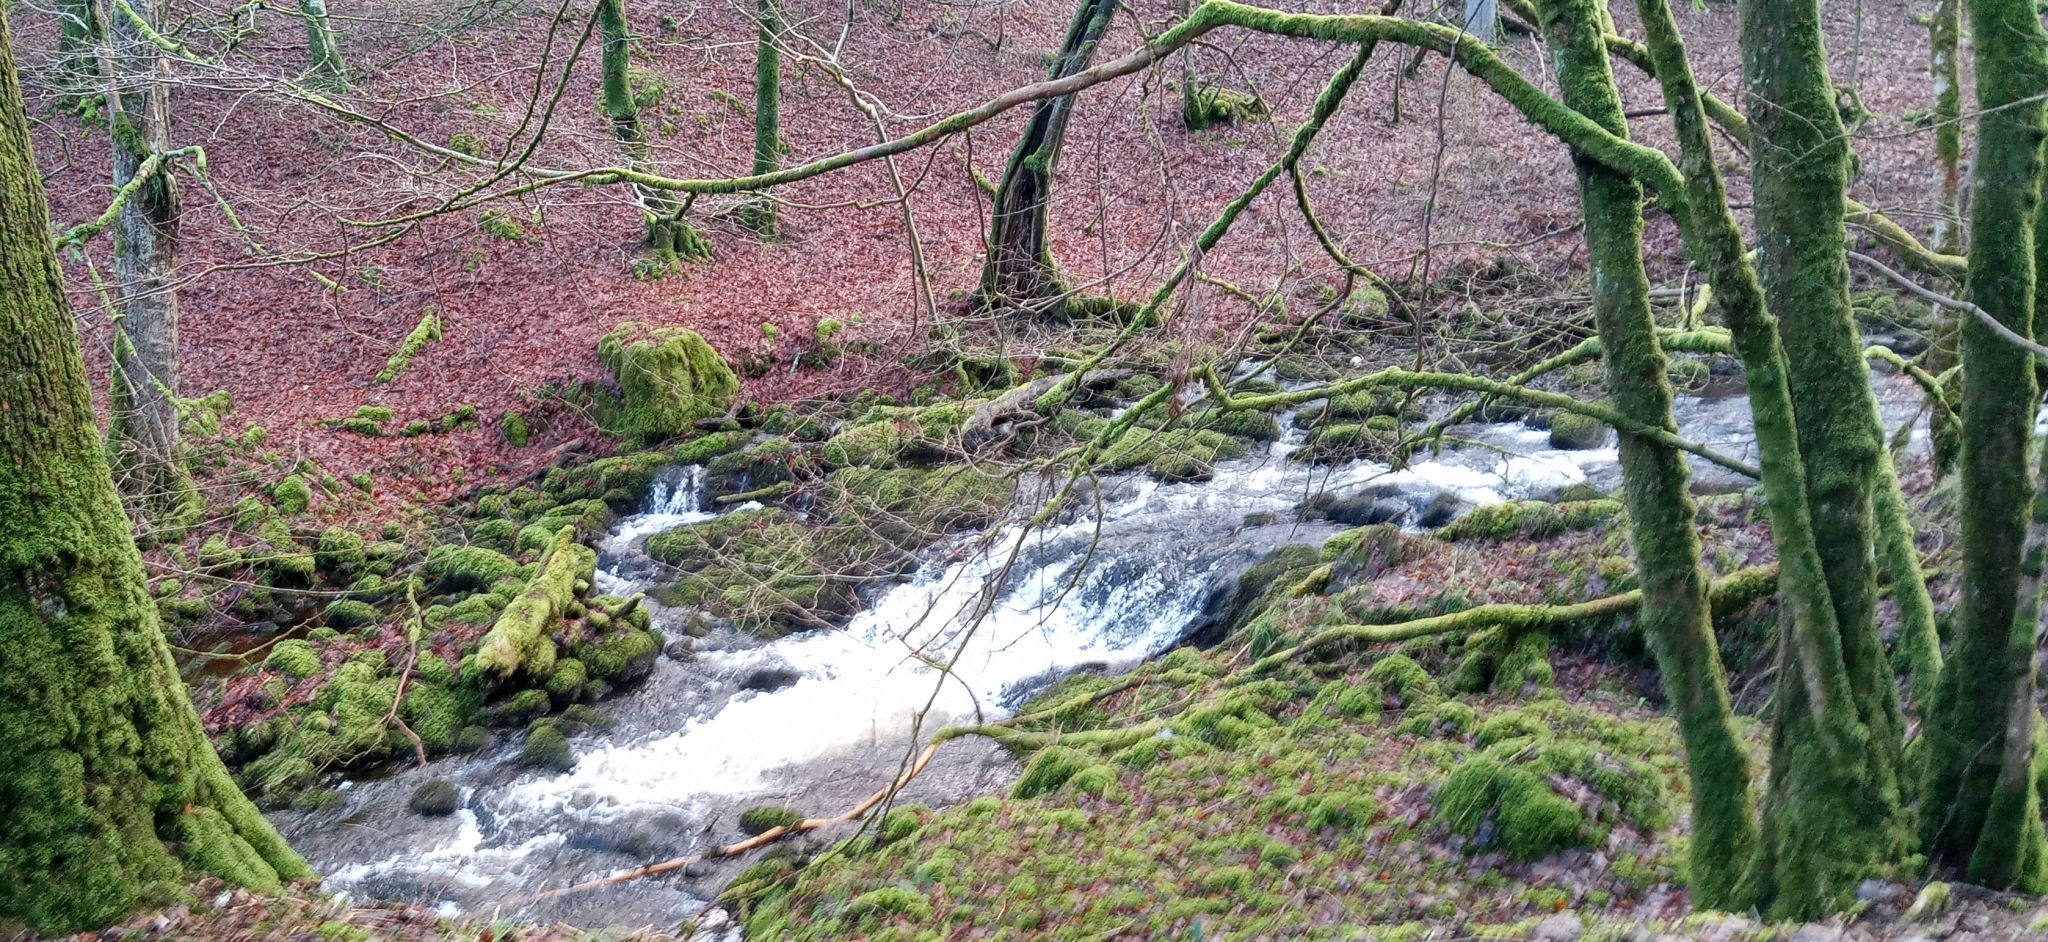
x=435, y=799
x=765, y=818
x=468, y=567
x=1379, y=438
x=669, y=377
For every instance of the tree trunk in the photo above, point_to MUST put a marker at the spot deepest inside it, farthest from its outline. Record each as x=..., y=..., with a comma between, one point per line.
x=1675, y=611
x=1020, y=271
x=114, y=797
x=78, y=45
x=324, y=65
x=145, y=406
x=667, y=232
x=1833, y=814
x=1977, y=819
x=760, y=214
x=1944, y=39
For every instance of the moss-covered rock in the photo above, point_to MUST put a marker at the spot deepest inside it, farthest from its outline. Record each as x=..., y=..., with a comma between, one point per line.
x=468, y=567
x=435, y=798
x=513, y=429
x=547, y=748
x=1571, y=431
x=349, y=614
x=1530, y=519
x=517, y=710
x=886, y=436
x=292, y=495
x=566, y=684
x=294, y=657
x=339, y=552
x=669, y=378
x=1172, y=455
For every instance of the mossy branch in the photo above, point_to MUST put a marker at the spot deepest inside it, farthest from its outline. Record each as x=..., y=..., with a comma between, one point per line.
x=150, y=167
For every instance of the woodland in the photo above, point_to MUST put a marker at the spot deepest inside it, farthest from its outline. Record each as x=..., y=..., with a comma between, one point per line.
x=1005, y=469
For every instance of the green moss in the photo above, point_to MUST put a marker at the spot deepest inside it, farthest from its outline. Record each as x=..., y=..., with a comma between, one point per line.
x=292, y=495
x=1173, y=455
x=669, y=377
x=435, y=798
x=764, y=818
x=547, y=748
x=519, y=641
x=467, y=567
x=622, y=655
x=889, y=901
x=284, y=558
x=886, y=436
x=425, y=332
x=217, y=554
x=1571, y=431
x=349, y=614
x=1530, y=519
x=1341, y=811
x=339, y=552
x=1048, y=770
x=1527, y=820
x=294, y=657
x=434, y=711
x=566, y=684
x=513, y=429
x=518, y=710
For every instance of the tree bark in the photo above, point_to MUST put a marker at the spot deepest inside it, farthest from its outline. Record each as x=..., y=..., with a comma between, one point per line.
x=760, y=215
x=114, y=797
x=145, y=406
x=1976, y=817
x=324, y=64
x=1675, y=612
x=666, y=230
x=1833, y=814
x=1020, y=271
x=78, y=45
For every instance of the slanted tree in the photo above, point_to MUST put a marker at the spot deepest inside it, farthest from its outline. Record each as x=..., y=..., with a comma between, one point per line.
x=667, y=232
x=145, y=406
x=114, y=796
x=324, y=65
x=1020, y=271
x=759, y=214
x=1981, y=813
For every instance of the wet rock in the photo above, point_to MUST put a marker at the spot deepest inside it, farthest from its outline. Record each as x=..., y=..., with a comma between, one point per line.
x=547, y=748
x=769, y=679
x=1441, y=510
x=681, y=649
x=436, y=798
x=1563, y=927
x=1360, y=508
x=1878, y=891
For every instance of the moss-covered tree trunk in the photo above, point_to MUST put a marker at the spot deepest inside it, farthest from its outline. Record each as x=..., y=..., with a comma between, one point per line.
x=324, y=65
x=1944, y=65
x=1675, y=613
x=145, y=407
x=760, y=215
x=113, y=795
x=1020, y=271
x=1833, y=814
x=1976, y=817
x=667, y=232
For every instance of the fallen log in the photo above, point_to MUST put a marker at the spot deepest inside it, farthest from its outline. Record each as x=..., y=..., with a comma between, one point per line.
x=1001, y=418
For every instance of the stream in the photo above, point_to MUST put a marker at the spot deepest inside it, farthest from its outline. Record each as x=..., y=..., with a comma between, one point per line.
x=819, y=720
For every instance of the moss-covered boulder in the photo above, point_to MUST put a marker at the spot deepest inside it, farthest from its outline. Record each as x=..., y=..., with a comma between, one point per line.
x=294, y=657
x=349, y=614
x=547, y=748
x=468, y=567
x=1571, y=431
x=669, y=377
x=436, y=798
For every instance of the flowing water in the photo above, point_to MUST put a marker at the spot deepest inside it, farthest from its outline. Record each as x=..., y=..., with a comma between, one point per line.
x=819, y=720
